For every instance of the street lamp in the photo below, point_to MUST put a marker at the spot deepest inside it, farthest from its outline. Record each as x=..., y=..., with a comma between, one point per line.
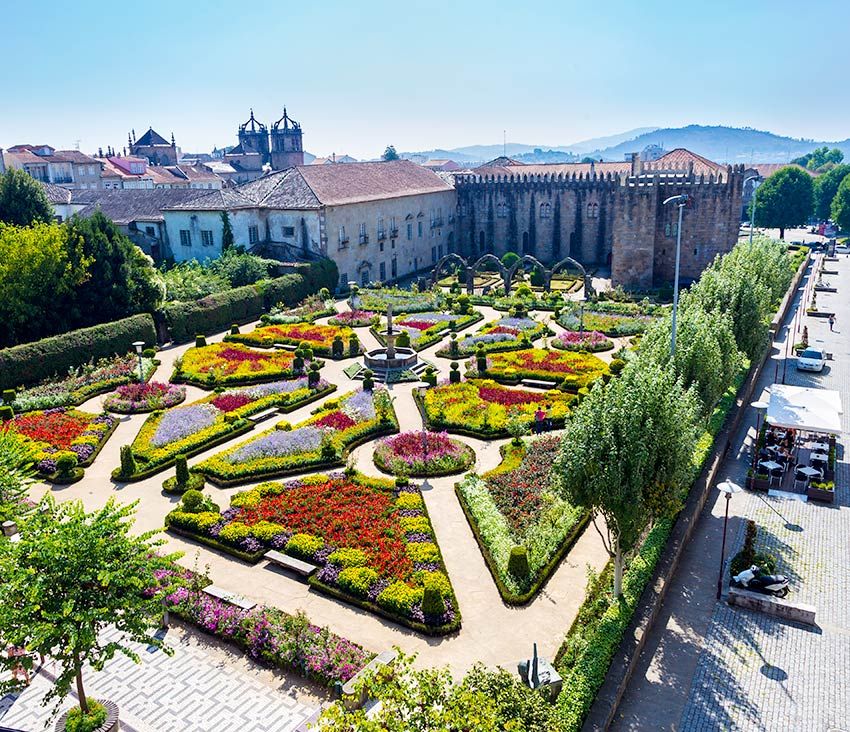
x=759, y=406
x=752, y=204
x=727, y=487
x=581, y=321
x=681, y=201
x=139, y=345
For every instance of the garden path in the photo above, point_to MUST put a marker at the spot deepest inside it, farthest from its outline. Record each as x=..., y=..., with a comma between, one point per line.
x=492, y=632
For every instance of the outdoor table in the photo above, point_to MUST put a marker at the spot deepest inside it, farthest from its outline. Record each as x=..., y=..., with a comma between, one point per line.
x=819, y=446
x=819, y=457
x=770, y=466
x=808, y=472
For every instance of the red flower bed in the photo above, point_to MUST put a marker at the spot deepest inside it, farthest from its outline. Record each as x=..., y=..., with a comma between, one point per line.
x=230, y=402
x=337, y=420
x=507, y=397
x=552, y=361
x=297, y=332
x=344, y=514
x=417, y=324
x=505, y=329
x=57, y=428
x=232, y=354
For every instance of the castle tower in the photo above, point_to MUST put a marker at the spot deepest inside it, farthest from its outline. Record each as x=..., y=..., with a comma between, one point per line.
x=254, y=137
x=286, y=149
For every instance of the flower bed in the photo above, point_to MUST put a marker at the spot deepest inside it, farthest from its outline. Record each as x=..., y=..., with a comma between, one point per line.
x=482, y=408
x=427, y=328
x=402, y=301
x=320, y=337
x=311, y=309
x=320, y=441
x=504, y=334
x=515, y=506
x=353, y=318
x=374, y=543
x=589, y=340
x=574, y=370
x=82, y=383
x=609, y=324
x=195, y=427
x=419, y=454
x=135, y=398
x=61, y=430
x=266, y=634
x=222, y=364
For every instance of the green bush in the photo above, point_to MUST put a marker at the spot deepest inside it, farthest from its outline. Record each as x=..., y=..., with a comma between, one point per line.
x=8, y=396
x=6, y=413
x=192, y=501
x=616, y=365
x=128, y=462
x=65, y=463
x=353, y=345
x=337, y=347
x=149, y=353
x=200, y=341
x=403, y=340
x=76, y=721
x=454, y=374
x=234, y=329
x=212, y=313
x=432, y=598
x=518, y=563
x=357, y=579
x=399, y=598
x=30, y=363
x=182, y=469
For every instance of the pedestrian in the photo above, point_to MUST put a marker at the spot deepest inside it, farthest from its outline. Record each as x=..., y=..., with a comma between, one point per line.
x=539, y=417
x=831, y=321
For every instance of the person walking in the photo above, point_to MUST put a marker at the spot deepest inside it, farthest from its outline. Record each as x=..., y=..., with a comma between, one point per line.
x=832, y=321
x=539, y=417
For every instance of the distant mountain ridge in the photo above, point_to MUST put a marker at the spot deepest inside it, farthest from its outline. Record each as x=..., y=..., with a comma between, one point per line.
x=716, y=142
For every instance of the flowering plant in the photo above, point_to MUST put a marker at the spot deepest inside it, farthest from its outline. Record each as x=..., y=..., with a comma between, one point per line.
x=577, y=370
x=426, y=328
x=402, y=301
x=320, y=337
x=144, y=397
x=609, y=324
x=353, y=318
x=232, y=363
x=312, y=308
x=503, y=334
x=423, y=453
x=589, y=340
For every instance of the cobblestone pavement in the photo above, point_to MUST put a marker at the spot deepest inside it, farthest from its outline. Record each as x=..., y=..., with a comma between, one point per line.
x=202, y=687
x=708, y=666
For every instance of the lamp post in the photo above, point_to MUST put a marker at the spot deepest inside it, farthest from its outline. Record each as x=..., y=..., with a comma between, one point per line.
x=759, y=406
x=727, y=487
x=681, y=201
x=139, y=345
x=752, y=205
x=581, y=321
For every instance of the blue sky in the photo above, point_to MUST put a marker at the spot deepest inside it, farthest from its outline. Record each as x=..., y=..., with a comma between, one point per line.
x=419, y=75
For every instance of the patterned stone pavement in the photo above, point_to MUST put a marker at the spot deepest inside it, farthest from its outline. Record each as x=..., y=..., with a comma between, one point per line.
x=202, y=687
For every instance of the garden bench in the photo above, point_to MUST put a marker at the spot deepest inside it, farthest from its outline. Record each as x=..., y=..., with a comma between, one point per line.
x=265, y=414
x=350, y=698
x=539, y=384
x=286, y=346
x=299, y=566
x=229, y=597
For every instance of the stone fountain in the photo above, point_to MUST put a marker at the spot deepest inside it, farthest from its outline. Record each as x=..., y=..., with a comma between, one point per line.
x=390, y=358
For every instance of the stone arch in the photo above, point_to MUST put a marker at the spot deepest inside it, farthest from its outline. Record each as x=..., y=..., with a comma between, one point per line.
x=472, y=269
x=461, y=262
x=520, y=263
x=569, y=261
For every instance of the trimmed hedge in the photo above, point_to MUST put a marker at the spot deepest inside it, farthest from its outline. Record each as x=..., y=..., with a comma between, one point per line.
x=30, y=363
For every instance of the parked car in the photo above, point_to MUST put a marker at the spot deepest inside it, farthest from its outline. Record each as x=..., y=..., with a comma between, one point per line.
x=811, y=359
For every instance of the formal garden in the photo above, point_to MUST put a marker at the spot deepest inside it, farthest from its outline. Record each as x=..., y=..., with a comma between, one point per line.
x=442, y=498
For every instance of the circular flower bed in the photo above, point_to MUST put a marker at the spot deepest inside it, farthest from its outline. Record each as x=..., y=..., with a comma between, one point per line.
x=138, y=397
x=353, y=318
x=418, y=455
x=589, y=340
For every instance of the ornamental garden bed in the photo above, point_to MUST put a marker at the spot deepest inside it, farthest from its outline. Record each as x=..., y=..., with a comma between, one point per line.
x=610, y=324
x=427, y=328
x=196, y=427
x=319, y=337
x=590, y=340
x=82, y=383
x=354, y=318
x=420, y=454
x=572, y=370
x=313, y=308
x=373, y=542
x=402, y=301
x=523, y=528
x=138, y=398
x=61, y=431
x=227, y=364
x=484, y=409
x=504, y=334
x=323, y=440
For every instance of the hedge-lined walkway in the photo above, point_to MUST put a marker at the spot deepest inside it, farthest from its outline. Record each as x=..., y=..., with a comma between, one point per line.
x=492, y=632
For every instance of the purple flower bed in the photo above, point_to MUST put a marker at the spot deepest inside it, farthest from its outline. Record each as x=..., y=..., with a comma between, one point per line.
x=181, y=423
x=278, y=444
x=360, y=406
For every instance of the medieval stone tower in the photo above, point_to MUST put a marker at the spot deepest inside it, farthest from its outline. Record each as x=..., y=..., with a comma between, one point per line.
x=286, y=147
x=254, y=138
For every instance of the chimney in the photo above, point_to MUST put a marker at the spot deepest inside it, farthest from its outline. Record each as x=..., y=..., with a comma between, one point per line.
x=637, y=167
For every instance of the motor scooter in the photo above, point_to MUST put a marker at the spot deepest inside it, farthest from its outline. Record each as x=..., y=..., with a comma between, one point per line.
x=757, y=581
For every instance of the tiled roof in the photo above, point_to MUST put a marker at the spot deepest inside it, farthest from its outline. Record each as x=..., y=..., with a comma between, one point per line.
x=124, y=206
x=56, y=194
x=555, y=169
x=681, y=159
x=72, y=156
x=151, y=138
x=226, y=198
x=765, y=170
x=164, y=176
x=196, y=173
x=25, y=157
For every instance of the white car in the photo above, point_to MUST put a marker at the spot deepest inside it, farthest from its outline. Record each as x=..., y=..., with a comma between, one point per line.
x=811, y=360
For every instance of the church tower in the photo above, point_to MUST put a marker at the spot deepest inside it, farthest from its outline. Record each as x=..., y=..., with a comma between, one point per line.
x=254, y=138
x=286, y=143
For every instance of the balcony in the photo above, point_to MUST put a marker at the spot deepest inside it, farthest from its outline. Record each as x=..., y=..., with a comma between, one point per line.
x=364, y=239
x=63, y=179
x=394, y=232
x=381, y=234
x=343, y=243
x=436, y=223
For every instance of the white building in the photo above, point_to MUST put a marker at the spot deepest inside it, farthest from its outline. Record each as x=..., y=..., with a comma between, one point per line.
x=378, y=221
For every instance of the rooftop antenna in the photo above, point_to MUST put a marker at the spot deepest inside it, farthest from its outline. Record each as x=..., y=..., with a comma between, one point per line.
x=77, y=145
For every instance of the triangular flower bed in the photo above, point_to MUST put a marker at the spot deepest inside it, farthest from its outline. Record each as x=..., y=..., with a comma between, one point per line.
x=320, y=337
x=229, y=364
x=373, y=542
x=321, y=441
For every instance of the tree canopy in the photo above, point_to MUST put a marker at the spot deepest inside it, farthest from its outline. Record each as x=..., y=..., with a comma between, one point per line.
x=23, y=200
x=820, y=157
x=784, y=200
x=826, y=186
x=841, y=205
x=17, y=454
x=71, y=576
x=390, y=153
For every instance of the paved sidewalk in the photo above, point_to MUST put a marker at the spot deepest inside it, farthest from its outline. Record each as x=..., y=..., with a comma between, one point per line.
x=707, y=666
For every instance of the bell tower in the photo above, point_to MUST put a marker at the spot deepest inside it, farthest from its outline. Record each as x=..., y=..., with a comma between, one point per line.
x=287, y=150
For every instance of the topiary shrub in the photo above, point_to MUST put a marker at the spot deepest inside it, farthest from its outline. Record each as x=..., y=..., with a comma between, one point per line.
x=432, y=598
x=8, y=396
x=298, y=363
x=616, y=366
x=454, y=374
x=6, y=413
x=337, y=347
x=430, y=376
x=200, y=341
x=353, y=346
x=182, y=469
x=368, y=381
x=193, y=501
x=480, y=359
x=65, y=464
x=518, y=563
x=403, y=340
x=454, y=348
x=306, y=350
x=128, y=462
x=234, y=329
x=313, y=375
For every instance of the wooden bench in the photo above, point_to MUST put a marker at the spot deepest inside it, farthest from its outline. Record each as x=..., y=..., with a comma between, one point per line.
x=265, y=414
x=299, y=566
x=286, y=346
x=229, y=597
x=350, y=698
x=539, y=384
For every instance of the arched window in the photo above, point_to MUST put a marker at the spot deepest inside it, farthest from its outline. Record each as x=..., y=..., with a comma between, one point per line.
x=593, y=210
x=545, y=210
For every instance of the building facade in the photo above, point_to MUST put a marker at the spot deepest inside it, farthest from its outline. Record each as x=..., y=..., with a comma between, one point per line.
x=153, y=147
x=603, y=214
x=67, y=168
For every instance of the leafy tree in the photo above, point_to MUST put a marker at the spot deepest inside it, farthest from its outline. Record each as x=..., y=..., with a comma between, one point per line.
x=121, y=281
x=509, y=259
x=40, y=266
x=784, y=200
x=390, y=153
x=627, y=454
x=841, y=205
x=16, y=473
x=23, y=200
x=414, y=700
x=819, y=158
x=826, y=186
x=226, y=232
x=240, y=268
x=587, y=160
x=70, y=577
